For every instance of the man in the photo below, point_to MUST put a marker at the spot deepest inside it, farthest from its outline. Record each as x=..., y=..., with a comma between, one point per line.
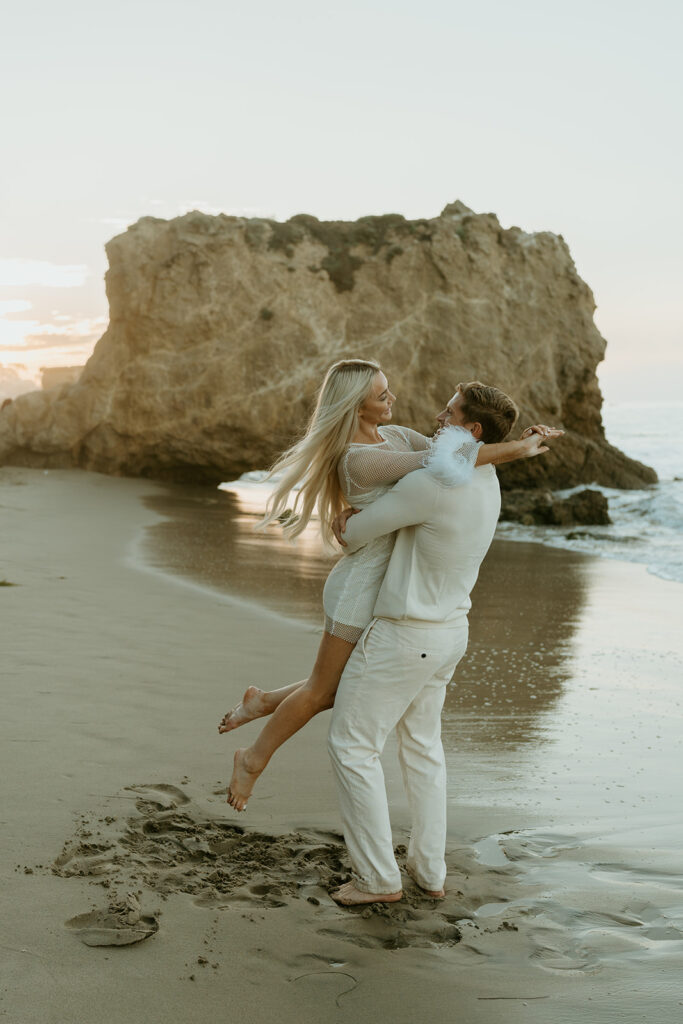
x=397, y=674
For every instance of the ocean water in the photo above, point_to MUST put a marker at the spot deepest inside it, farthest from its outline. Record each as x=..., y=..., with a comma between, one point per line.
x=647, y=524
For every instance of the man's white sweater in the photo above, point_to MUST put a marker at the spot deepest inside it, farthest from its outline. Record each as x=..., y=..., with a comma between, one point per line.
x=445, y=531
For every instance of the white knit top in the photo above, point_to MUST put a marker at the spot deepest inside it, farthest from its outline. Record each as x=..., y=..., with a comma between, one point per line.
x=366, y=472
x=445, y=529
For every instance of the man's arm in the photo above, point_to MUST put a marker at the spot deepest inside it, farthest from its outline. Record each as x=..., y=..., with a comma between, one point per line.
x=510, y=451
x=406, y=504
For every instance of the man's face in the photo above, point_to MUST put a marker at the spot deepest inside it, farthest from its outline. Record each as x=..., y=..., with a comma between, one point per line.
x=452, y=415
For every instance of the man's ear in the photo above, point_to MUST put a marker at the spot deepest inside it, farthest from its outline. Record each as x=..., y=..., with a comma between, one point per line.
x=476, y=430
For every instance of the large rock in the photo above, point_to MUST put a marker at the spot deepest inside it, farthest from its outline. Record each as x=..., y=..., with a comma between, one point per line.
x=222, y=327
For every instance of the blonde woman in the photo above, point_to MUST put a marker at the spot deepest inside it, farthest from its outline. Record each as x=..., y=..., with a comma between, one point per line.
x=349, y=455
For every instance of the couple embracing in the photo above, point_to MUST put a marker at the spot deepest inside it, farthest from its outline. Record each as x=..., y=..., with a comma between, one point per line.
x=415, y=517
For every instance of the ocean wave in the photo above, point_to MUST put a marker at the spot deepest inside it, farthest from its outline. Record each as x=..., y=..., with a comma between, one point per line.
x=647, y=527
x=647, y=524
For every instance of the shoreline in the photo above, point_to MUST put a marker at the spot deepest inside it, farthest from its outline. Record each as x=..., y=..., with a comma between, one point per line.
x=114, y=678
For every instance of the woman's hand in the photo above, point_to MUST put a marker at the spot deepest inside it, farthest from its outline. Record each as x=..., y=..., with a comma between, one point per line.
x=540, y=428
x=533, y=440
x=339, y=523
x=532, y=444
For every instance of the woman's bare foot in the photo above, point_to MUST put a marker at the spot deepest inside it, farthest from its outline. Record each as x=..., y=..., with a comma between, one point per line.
x=250, y=707
x=348, y=896
x=243, y=780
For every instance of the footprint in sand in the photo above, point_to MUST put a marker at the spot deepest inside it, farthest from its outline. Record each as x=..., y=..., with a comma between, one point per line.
x=84, y=860
x=394, y=926
x=121, y=924
x=565, y=961
x=262, y=895
x=160, y=795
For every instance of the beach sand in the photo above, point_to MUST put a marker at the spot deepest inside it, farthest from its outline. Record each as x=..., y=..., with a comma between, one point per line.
x=121, y=649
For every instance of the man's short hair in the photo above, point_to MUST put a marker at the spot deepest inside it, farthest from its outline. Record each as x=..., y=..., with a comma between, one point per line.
x=489, y=406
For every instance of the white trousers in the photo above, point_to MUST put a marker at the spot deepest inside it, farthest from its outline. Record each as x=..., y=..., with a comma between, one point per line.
x=395, y=677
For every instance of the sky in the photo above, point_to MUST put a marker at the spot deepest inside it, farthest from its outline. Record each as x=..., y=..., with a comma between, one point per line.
x=555, y=116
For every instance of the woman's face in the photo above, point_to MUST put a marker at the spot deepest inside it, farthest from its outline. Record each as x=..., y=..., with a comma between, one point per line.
x=376, y=408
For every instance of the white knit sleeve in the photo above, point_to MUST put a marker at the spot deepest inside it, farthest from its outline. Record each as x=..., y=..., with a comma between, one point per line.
x=453, y=456
x=413, y=438
x=367, y=466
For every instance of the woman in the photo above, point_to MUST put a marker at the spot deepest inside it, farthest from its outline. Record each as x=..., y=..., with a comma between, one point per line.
x=350, y=452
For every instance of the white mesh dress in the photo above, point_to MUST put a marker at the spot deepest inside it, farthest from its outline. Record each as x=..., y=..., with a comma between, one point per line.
x=367, y=471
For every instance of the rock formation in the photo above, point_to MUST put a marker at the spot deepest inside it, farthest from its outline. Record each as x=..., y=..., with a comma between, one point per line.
x=222, y=327
x=542, y=508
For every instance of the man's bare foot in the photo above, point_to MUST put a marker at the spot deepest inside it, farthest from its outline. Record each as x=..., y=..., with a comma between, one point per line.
x=242, y=782
x=250, y=707
x=435, y=894
x=348, y=896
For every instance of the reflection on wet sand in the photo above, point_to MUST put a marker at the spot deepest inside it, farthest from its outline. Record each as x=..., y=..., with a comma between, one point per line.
x=525, y=608
x=521, y=626
x=209, y=537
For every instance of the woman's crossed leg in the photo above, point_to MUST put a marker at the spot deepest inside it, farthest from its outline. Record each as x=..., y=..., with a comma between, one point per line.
x=290, y=708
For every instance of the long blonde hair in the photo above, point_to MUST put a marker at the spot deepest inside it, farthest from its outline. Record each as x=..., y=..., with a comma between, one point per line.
x=312, y=462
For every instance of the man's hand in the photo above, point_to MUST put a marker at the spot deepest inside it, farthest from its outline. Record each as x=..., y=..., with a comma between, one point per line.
x=339, y=524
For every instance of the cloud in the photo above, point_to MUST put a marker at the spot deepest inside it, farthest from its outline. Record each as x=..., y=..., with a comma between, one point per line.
x=13, y=383
x=74, y=328
x=35, y=342
x=14, y=332
x=31, y=335
x=18, y=273
x=14, y=306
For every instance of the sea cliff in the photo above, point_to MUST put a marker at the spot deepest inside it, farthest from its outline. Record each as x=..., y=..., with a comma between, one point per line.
x=222, y=327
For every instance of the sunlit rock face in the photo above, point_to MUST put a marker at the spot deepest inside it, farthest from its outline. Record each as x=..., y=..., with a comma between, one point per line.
x=222, y=327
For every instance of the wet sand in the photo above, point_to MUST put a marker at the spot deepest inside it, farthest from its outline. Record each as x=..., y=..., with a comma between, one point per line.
x=125, y=640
